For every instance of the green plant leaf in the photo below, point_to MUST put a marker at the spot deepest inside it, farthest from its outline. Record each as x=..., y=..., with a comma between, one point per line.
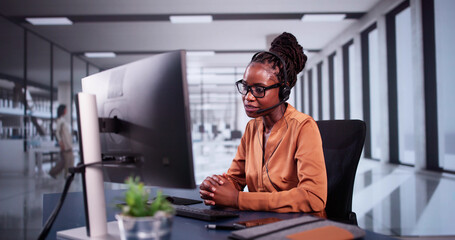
x=136, y=198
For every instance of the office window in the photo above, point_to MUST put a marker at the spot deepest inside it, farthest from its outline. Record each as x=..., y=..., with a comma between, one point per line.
x=346, y=78
x=338, y=88
x=310, y=93
x=445, y=71
x=315, y=96
x=319, y=87
x=370, y=91
x=405, y=87
x=327, y=94
x=302, y=92
x=331, y=73
x=307, y=93
x=355, y=87
x=375, y=103
x=297, y=94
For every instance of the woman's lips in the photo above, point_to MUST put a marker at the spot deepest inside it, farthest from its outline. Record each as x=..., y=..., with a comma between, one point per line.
x=250, y=108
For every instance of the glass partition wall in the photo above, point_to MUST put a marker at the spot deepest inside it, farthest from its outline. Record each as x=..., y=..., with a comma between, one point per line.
x=36, y=92
x=35, y=77
x=12, y=72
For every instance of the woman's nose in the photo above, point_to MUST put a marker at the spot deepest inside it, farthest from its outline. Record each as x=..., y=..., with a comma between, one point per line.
x=249, y=96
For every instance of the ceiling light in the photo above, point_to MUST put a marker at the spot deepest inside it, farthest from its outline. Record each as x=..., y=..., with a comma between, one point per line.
x=323, y=17
x=200, y=53
x=49, y=21
x=100, y=54
x=191, y=19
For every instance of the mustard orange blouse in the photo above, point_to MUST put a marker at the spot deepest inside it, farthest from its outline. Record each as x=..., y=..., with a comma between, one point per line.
x=293, y=161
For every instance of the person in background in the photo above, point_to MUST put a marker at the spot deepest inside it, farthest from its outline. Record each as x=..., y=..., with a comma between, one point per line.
x=280, y=157
x=64, y=138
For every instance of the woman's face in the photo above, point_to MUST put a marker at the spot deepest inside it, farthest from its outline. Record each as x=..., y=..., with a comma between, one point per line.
x=259, y=74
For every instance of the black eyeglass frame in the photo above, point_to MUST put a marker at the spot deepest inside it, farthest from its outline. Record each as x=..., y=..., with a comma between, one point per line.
x=249, y=88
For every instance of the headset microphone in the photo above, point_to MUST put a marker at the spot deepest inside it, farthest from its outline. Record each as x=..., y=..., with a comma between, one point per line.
x=272, y=107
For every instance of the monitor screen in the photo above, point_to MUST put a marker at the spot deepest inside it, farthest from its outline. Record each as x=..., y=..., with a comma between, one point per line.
x=145, y=107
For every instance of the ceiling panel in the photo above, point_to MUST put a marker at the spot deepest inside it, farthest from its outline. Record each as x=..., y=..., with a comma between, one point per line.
x=86, y=7
x=113, y=25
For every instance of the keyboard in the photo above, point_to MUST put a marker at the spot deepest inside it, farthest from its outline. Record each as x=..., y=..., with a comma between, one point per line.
x=203, y=214
x=179, y=200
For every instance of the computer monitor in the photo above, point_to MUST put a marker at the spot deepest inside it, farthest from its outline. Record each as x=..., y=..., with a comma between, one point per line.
x=137, y=117
x=145, y=120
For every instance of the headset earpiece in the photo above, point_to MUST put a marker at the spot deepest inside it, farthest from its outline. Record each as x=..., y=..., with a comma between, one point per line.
x=285, y=90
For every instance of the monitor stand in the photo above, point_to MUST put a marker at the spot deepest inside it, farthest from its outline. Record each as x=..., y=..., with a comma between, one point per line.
x=92, y=178
x=80, y=233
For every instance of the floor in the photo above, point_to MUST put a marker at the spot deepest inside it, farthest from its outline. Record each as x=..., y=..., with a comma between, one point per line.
x=396, y=200
x=388, y=199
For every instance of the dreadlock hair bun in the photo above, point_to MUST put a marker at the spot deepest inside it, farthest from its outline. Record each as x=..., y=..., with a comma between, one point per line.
x=287, y=47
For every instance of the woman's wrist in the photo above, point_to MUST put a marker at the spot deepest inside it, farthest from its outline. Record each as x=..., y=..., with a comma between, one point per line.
x=236, y=202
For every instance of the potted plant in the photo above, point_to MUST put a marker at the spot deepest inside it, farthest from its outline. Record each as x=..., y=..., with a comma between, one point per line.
x=140, y=219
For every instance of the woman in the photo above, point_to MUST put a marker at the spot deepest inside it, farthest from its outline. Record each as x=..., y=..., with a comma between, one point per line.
x=65, y=142
x=280, y=155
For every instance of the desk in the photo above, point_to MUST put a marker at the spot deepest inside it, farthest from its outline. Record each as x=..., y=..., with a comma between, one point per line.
x=72, y=215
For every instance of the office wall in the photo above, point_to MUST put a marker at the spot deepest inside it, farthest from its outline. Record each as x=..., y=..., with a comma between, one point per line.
x=385, y=82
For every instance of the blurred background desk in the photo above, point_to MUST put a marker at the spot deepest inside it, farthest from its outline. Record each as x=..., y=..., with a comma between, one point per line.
x=45, y=155
x=72, y=215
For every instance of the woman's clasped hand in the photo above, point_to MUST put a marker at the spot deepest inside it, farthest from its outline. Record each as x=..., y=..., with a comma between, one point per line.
x=219, y=190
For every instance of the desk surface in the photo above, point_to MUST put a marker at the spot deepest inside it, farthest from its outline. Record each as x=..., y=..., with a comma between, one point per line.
x=72, y=215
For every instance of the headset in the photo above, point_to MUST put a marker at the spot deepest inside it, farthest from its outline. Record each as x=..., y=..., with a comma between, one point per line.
x=285, y=90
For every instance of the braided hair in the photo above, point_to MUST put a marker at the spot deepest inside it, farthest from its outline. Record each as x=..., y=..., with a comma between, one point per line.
x=287, y=47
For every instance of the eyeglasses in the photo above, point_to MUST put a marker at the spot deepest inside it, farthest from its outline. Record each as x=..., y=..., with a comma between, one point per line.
x=257, y=91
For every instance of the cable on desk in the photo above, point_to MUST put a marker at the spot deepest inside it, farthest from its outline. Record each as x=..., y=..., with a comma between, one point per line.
x=80, y=168
x=53, y=216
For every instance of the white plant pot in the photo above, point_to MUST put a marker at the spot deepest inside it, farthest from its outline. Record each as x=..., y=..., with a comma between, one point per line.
x=157, y=227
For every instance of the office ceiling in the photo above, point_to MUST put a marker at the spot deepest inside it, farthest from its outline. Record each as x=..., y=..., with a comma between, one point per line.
x=135, y=29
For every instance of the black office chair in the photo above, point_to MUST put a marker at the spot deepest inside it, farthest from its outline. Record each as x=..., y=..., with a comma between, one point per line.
x=342, y=142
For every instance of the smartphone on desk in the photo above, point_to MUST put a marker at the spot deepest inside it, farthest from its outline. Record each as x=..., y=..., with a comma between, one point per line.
x=257, y=222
